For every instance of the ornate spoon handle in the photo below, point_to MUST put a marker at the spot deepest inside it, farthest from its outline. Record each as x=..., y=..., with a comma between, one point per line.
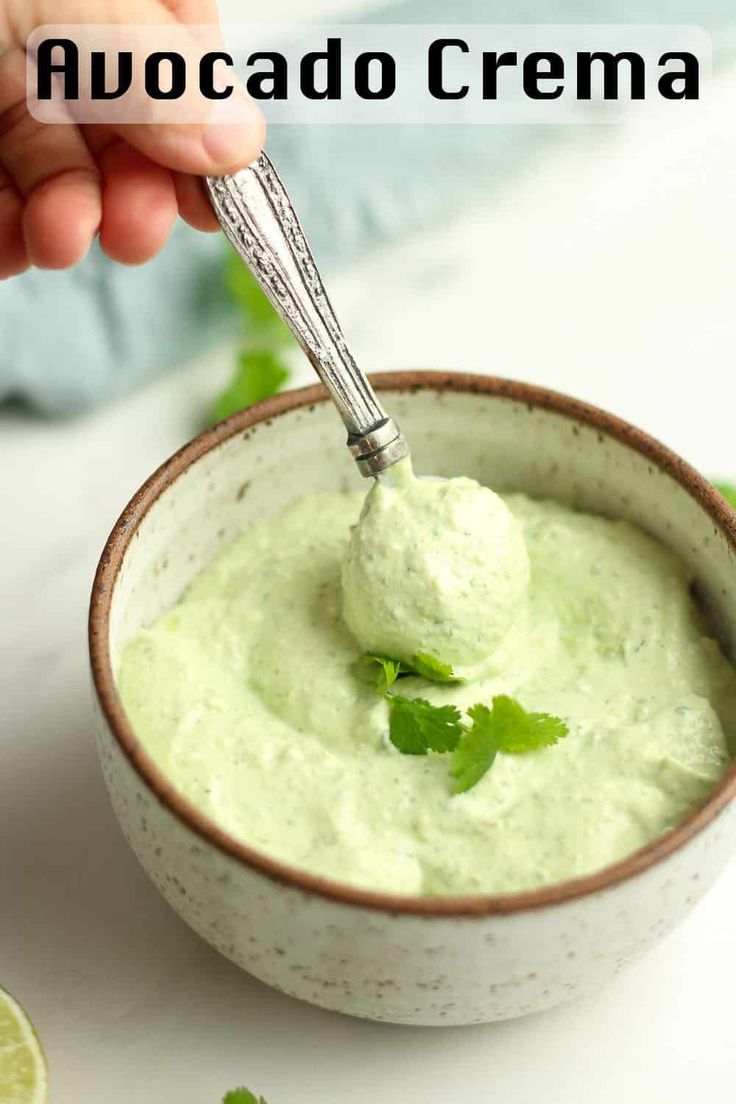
x=257, y=216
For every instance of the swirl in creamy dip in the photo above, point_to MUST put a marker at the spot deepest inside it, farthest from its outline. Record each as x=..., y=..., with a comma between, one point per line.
x=246, y=692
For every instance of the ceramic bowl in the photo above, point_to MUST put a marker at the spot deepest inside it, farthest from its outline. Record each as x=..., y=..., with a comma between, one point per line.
x=411, y=960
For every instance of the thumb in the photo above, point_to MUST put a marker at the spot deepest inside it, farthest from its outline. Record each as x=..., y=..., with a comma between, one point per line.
x=233, y=129
x=232, y=137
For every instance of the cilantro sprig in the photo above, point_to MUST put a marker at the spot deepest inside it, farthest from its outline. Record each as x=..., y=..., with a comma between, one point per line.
x=242, y=1096
x=388, y=670
x=262, y=368
x=384, y=671
x=417, y=727
x=434, y=669
x=505, y=727
x=259, y=374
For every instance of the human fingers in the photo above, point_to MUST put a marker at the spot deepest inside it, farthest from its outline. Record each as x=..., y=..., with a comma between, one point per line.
x=51, y=170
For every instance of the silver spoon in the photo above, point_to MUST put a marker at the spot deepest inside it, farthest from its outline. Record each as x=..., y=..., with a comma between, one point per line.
x=258, y=217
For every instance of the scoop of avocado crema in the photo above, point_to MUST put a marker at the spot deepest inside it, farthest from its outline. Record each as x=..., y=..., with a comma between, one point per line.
x=437, y=566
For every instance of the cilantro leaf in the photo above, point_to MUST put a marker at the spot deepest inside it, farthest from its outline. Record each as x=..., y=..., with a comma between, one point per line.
x=506, y=727
x=259, y=375
x=424, y=665
x=388, y=670
x=517, y=732
x=261, y=370
x=728, y=490
x=416, y=727
x=475, y=753
x=434, y=669
x=242, y=1096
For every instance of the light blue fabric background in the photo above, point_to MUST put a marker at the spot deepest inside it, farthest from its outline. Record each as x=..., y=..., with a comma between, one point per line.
x=73, y=339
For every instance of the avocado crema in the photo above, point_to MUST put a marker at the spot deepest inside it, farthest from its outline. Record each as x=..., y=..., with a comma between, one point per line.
x=248, y=695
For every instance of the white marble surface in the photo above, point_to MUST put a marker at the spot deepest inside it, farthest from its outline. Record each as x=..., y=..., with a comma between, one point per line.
x=609, y=272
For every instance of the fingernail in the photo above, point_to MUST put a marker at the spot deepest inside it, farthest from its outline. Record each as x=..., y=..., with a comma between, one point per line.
x=228, y=135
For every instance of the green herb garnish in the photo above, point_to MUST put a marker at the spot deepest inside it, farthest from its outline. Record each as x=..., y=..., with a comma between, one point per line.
x=424, y=665
x=505, y=727
x=242, y=1096
x=386, y=671
x=416, y=727
x=261, y=369
x=476, y=752
x=430, y=668
x=258, y=376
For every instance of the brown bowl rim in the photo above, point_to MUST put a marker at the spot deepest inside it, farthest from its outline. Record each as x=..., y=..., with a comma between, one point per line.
x=703, y=492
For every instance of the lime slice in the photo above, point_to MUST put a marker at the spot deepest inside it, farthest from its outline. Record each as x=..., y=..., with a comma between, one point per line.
x=23, y=1073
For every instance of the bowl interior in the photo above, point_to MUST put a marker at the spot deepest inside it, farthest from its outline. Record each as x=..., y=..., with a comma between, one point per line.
x=508, y=436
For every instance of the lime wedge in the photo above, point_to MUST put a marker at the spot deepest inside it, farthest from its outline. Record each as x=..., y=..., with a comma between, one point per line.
x=23, y=1073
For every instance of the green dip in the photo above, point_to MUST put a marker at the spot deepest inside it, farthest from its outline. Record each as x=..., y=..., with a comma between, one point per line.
x=246, y=694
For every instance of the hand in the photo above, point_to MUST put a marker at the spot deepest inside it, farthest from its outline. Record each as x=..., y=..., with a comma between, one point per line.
x=61, y=185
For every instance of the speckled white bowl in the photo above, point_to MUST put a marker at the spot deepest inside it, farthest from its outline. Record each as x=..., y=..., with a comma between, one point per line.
x=403, y=959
